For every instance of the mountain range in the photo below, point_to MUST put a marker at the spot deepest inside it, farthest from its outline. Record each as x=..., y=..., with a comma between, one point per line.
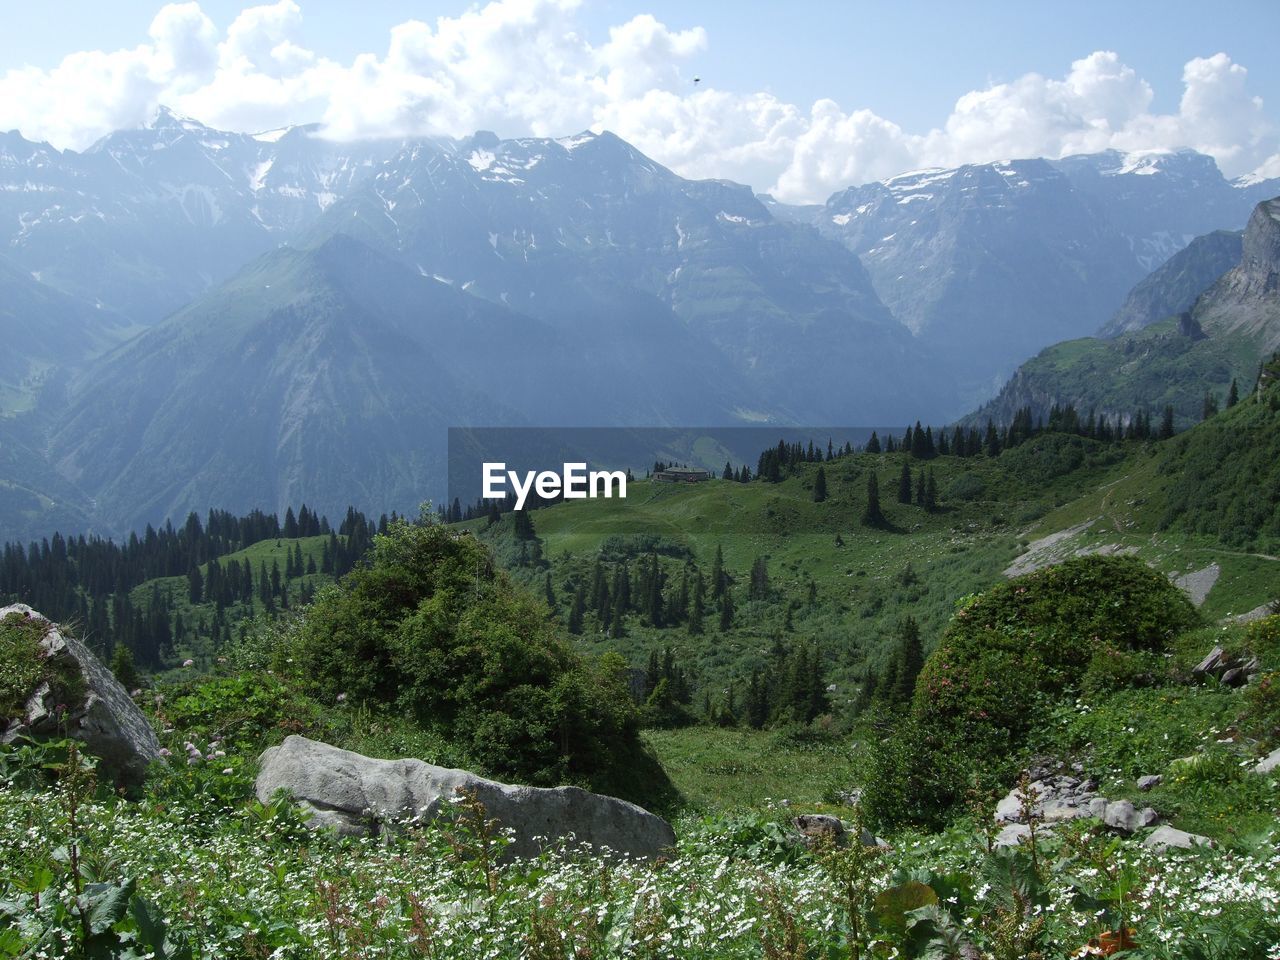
x=199, y=317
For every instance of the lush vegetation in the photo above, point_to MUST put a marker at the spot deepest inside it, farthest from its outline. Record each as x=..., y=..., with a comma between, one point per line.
x=732, y=653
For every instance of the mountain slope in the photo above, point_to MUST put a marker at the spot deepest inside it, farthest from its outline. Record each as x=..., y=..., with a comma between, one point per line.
x=993, y=261
x=590, y=223
x=1173, y=287
x=329, y=375
x=145, y=220
x=1233, y=326
x=44, y=330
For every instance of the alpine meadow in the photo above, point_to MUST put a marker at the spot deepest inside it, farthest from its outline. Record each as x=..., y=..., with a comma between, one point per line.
x=560, y=481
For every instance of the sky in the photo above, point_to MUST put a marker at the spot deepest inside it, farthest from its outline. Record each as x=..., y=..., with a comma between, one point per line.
x=797, y=99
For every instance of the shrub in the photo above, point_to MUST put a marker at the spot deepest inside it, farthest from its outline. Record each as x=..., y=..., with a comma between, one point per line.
x=1007, y=654
x=967, y=486
x=433, y=629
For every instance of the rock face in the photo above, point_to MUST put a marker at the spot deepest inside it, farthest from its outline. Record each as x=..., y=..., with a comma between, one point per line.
x=354, y=795
x=109, y=723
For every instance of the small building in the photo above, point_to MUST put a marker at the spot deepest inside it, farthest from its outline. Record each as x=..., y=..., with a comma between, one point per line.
x=681, y=475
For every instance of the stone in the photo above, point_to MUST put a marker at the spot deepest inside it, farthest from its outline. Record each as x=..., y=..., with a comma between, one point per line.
x=1168, y=838
x=1147, y=817
x=1098, y=807
x=1012, y=835
x=1268, y=763
x=1009, y=810
x=819, y=827
x=1121, y=815
x=1235, y=677
x=1209, y=664
x=107, y=721
x=1149, y=782
x=357, y=795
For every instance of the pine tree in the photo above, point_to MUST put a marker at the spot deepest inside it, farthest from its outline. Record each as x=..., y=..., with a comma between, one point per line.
x=577, y=610
x=717, y=574
x=726, y=610
x=1233, y=395
x=123, y=667
x=697, y=605
x=904, y=483
x=820, y=486
x=550, y=593
x=728, y=471
x=873, y=445
x=872, y=516
x=195, y=585
x=1210, y=408
x=910, y=659
x=1166, y=422
x=930, y=493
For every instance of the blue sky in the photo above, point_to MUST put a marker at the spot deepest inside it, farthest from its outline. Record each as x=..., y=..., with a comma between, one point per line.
x=794, y=97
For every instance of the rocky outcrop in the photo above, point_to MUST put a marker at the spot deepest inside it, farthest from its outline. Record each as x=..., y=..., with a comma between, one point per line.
x=357, y=795
x=104, y=717
x=1060, y=796
x=1232, y=671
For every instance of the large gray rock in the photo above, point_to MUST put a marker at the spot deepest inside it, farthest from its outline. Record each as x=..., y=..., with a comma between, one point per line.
x=108, y=722
x=357, y=795
x=1169, y=838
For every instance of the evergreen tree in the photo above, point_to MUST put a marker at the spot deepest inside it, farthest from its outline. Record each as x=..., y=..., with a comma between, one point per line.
x=524, y=530
x=872, y=516
x=1166, y=422
x=195, y=585
x=726, y=610
x=904, y=483
x=820, y=486
x=910, y=659
x=757, y=704
x=1210, y=408
x=550, y=594
x=123, y=667
x=697, y=604
x=873, y=445
x=758, y=588
x=728, y=471
x=577, y=610
x=1233, y=395
x=930, y=493
x=718, y=577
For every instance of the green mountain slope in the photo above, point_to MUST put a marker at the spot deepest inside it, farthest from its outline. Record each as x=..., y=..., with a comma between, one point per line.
x=1232, y=327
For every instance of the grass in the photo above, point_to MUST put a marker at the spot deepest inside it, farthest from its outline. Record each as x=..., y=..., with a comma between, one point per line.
x=727, y=771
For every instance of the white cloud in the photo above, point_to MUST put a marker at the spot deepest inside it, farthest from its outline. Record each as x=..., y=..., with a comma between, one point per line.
x=522, y=67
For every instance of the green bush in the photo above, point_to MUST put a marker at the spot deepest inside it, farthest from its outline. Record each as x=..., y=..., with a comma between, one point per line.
x=967, y=486
x=1008, y=653
x=431, y=628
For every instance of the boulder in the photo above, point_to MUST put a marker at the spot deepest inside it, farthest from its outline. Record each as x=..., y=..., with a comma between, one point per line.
x=1167, y=838
x=1123, y=816
x=818, y=828
x=1149, y=782
x=1210, y=663
x=1268, y=763
x=106, y=719
x=358, y=795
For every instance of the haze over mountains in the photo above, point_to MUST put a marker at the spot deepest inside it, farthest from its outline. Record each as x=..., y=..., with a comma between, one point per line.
x=203, y=318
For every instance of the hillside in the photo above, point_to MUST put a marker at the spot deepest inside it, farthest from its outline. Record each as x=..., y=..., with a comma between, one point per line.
x=1172, y=288
x=1231, y=327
